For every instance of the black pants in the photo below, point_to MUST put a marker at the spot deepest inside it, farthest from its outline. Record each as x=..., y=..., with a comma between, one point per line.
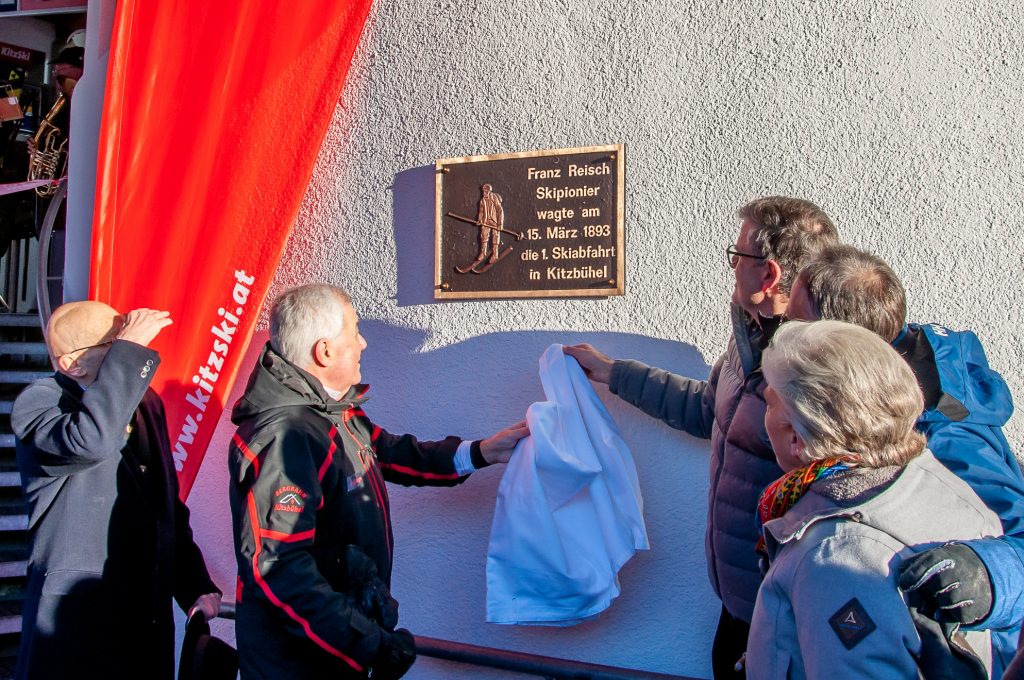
x=730, y=643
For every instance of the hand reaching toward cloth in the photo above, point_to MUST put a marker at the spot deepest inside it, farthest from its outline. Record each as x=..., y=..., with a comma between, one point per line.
x=595, y=363
x=498, y=448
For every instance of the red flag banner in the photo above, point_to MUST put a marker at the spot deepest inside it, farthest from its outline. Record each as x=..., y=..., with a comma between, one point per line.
x=214, y=115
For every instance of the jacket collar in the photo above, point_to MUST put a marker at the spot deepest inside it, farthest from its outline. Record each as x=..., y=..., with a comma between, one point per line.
x=751, y=337
x=953, y=371
x=881, y=511
x=276, y=382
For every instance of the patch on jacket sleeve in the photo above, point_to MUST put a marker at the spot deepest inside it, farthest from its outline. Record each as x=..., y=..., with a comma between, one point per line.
x=851, y=623
x=290, y=499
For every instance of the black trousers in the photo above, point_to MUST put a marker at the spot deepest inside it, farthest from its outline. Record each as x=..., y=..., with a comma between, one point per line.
x=730, y=644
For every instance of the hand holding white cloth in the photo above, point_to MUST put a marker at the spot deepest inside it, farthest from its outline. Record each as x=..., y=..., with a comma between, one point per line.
x=569, y=512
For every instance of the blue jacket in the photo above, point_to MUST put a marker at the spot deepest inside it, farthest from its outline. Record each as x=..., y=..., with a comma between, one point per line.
x=966, y=405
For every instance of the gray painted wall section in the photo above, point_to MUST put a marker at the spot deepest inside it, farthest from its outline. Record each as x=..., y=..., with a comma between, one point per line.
x=903, y=120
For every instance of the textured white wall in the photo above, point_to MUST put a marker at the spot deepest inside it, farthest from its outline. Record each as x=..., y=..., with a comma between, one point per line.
x=903, y=120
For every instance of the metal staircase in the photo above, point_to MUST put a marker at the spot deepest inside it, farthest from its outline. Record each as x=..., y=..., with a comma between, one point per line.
x=23, y=359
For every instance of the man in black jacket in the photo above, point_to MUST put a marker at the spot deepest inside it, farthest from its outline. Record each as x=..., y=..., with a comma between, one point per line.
x=312, y=524
x=110, y=540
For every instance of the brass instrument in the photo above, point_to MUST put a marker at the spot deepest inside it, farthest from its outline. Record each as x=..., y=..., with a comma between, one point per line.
x=50, y=155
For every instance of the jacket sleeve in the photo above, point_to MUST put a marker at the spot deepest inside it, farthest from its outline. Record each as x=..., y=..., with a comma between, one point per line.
x=980, y=456
x=1004, y=559
x=191, y=578
x=278, y=523
x=407, y=461
x=845, y=587
x=96, y=430
x=682, y=403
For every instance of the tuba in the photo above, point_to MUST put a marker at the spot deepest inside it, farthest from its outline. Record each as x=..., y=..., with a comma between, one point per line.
x=50, y=155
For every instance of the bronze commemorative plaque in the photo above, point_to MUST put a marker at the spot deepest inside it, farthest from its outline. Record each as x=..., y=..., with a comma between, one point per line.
x=532, y=224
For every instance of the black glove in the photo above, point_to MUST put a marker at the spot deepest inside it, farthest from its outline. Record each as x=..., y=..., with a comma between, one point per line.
x=945, y=653
x=949, y=584
x=395, y=656
x=369, y=594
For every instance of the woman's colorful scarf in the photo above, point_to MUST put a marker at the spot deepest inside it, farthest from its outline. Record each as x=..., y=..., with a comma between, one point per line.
x=782, y=494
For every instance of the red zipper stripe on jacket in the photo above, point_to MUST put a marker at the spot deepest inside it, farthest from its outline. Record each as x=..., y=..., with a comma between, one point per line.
x=288, y=538
x=249, y=455
x=374, y=484
x=377, y=483
x=416, y=473
x=265, y=587
x=329, y=458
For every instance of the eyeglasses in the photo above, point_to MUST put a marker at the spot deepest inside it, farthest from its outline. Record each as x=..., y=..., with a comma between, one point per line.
x=734, y=256
x=108, y=343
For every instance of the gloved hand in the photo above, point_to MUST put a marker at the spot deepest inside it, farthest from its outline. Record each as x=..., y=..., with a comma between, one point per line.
x=949, y=584
x=369, y=593
x=395, y=656
x=945, y=653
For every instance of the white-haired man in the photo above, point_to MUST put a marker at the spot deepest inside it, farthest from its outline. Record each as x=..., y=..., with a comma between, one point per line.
x=313, y=534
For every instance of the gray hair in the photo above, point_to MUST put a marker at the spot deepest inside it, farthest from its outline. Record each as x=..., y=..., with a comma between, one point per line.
x=302, y=316
x=789, y=231
x=846, y=391
x=847, y=284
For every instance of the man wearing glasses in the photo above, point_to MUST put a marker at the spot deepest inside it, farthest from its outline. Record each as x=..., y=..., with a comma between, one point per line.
x=777, y=235
x=110, y=542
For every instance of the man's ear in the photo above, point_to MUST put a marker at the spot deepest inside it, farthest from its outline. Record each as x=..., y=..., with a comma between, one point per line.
x=771, y=278
x=321, y=353
x=70, y=366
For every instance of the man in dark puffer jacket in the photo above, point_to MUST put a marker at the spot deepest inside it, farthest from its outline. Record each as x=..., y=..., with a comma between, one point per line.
x=777, y=236
x=312, y=523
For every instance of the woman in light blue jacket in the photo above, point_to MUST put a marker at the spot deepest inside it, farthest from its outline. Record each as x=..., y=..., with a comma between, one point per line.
x=860, y=494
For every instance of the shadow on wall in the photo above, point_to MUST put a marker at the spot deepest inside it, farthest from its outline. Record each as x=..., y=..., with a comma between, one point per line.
x=475, y=387
x=413, y=209
x=494, y=376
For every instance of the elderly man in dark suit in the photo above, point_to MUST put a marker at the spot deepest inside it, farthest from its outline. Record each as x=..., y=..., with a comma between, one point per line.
x=110, y=540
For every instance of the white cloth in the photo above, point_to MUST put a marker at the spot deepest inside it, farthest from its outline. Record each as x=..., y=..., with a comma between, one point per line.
x=569, y=512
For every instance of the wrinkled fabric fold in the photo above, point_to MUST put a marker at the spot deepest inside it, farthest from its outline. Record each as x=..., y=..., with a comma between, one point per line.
x=569, y=512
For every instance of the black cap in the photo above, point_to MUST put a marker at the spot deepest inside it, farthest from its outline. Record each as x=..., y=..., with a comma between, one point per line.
x=74, y=56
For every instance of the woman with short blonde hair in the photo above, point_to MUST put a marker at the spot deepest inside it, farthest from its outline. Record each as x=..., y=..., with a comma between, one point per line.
x=848, y=393
x=860, y=493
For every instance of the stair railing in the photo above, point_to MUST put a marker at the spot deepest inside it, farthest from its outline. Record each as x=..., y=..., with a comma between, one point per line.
x=43, y=268
x=548, y=667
